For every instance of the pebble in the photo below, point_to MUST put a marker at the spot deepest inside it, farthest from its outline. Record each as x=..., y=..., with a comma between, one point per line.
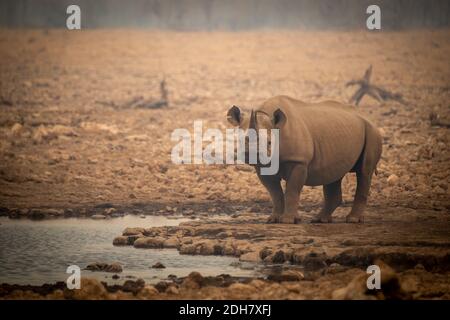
x=158, y=265
x=393, y=179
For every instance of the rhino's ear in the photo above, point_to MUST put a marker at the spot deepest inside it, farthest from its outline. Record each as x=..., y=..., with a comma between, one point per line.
x=279, y=119
x=234, y=116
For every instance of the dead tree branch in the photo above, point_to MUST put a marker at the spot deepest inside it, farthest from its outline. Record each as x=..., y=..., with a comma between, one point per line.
x=141, y=102
x=376, y=92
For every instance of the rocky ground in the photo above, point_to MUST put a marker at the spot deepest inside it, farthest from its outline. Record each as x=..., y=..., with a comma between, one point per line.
x=74, y=143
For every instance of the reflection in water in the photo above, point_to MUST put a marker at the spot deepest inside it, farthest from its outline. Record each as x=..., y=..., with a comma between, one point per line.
x=37, y=252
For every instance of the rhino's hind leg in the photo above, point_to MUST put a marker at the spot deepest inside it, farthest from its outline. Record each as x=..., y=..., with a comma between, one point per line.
x=364, y=171
x=332, y=194
x=362, y=192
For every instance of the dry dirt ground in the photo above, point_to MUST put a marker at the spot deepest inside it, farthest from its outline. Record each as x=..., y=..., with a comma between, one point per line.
x=73, y=144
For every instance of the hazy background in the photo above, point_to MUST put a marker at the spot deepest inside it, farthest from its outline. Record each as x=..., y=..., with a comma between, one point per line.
x=226, y=14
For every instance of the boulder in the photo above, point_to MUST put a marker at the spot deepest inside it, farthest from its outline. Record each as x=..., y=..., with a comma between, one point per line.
x=286, y=275
x=158, y=265
x=148, y=292
x=149, y=242
x=90, y=289
x=193, y=281
x=133, y=231
x=252, y=256
x=133, y=286
x=390, y=286
x=187, y=249
x=120, y=241
x=171, y=243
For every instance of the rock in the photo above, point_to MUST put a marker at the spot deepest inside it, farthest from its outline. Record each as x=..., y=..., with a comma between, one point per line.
x=335, y=268
x=158, y=265
x=115, y=276
x=133, y=238
x=133, y=286
x=133, y=231
x=187, y=249
x=439, y=190
x=279, y=257
x=393, y=180
x=37, y=214
x=17, y=129
x=286, y=275
x=55, y=212
x=264, y=253
x=229, y=249
x=149, y=242
x=390, y=287
x=45, y=134
x=257, y=283
x=41, y=134
x=355, y=290
x=206, y=248
x=171, y=243
x=161, y=286
x=419, y=266
x=120, y=241
x=410, y=284
x=90, y=289
x=219, y=249
x=104, y=267
x=193, y=281
x=222, y=235
x=148, y=292
x=98, y=216
x=242, y=289
x=109, y=211
x=172, y=290
x=96, y=127
x=314, y=261
x=252, y=256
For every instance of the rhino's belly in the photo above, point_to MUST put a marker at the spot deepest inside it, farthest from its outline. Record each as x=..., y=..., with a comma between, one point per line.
x=325, y=175
x=335, y=156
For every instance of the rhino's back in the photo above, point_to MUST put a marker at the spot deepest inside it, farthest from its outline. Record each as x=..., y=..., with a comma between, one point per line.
x=328, y=136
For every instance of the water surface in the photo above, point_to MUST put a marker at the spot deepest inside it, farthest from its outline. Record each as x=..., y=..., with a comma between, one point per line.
x=37, y=252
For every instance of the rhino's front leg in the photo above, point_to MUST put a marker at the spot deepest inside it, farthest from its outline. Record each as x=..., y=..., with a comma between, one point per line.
x=273, y=185
x=294, y=184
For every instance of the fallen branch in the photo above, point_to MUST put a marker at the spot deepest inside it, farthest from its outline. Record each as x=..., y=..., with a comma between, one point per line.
x=141, y=102
x=150, y=104
x=435, y=121
x=376, y=92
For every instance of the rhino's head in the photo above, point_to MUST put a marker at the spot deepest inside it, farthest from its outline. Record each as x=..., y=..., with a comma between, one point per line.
x=256, y=125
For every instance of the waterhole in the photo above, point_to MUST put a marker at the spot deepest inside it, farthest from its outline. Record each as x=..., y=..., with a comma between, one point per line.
x=38, y=252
